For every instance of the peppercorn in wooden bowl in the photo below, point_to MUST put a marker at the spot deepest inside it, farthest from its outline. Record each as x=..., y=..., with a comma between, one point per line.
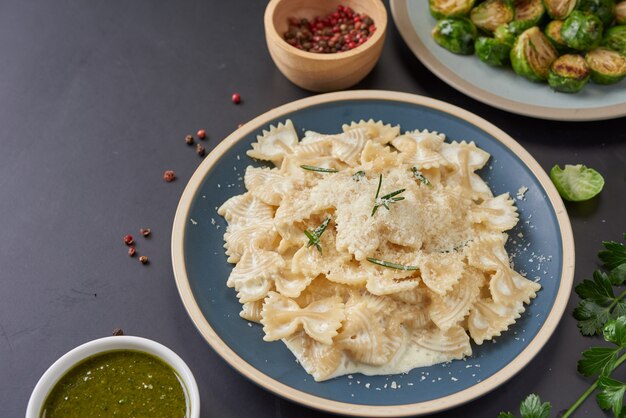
x=347, y=38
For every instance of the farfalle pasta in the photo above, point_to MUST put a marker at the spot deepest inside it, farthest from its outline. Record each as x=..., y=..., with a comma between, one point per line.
x=372, y=251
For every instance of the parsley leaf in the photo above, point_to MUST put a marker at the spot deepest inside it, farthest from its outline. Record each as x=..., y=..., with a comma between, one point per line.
x=598, y=304
x=617, y=276
x=611, y=394
x=531, y=407
x=615, y=332
x=598, y=360
x=613, y=255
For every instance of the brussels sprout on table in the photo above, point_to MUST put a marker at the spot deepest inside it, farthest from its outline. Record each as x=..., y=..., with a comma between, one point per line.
x=530, y=11
x=620, y=12
x=532, y=55
x=553, y=32
x=560, y=9
x=603, y=9
x=615, y=38
x=449, y=8
x=456, y=34
x=492, y=51
x=606, y=65
x=492, y=13
x=581, y=31
x=569, y=73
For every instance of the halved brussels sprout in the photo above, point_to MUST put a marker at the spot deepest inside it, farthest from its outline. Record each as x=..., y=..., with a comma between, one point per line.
x=568, y=73
x=532, y=55
x=620, y=12
x=492, y=51
x=553, y=32
x=530, y=11
x=581, y=31
x=615, y=38
x=560, y=9
x=607, y=66
x=456, y=34
x=492, y=13
x=603, y=9
x=509, y=32
x=449, y=8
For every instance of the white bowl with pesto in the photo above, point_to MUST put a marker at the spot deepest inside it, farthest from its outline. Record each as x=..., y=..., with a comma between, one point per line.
x=73, y=358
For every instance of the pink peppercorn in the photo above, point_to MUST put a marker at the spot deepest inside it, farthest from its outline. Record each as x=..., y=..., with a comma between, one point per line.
x=236, y=98
x=169, y=176
x=201, y=134
x=128, y=239
x=132, y=251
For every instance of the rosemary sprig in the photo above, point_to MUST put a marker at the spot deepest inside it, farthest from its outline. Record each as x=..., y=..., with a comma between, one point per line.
x=387, y=199
x=391, y=265
x=318, y=169
x=314, y=236
x=418, y=175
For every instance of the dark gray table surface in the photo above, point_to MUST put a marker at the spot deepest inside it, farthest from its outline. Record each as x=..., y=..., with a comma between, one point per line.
x=95, y=99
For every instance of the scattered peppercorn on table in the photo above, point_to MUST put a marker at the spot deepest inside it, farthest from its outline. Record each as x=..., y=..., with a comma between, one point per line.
x=106, y=110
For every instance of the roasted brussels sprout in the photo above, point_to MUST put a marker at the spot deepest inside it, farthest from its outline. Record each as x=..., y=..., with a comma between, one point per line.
x=603, y=9
x=581, y=31
x=568, y=73
x=606, y=65
x=508, y=32
x=560, y=9
x=456, y=34
x=530, y=11
x=615, y=38
x=449, y=8
x=620, y=12
x=492, y=13
x=553, y=32
x=532, y=55
x=492, y=51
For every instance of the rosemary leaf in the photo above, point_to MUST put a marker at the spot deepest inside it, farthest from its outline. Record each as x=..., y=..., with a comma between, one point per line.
x=318, y=169
x=314, y=237
x=419, y=176
x=391, y=265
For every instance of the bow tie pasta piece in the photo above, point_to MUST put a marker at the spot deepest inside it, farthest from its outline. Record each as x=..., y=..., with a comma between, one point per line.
x=421, y=149
x=370, y=334
x=376, y=131
x=268, y=185
x=319, y=360
x=441, y=271
x=281, y=317
x=467, y=158
x=448, y=310
x=253, y=275
x=497, y=214
x=453, y=341
x=370, y=251
x=488, y=319
x=274, y=144
x=245, y=209
x=348, y=146
x=291, y=284
x=251, y=311
x=240, y=239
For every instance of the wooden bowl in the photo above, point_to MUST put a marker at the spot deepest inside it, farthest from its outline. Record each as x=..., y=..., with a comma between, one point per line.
x=323, y=72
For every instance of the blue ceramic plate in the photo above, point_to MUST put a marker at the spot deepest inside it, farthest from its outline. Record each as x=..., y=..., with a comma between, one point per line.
x=541, y=244
x=501, y=87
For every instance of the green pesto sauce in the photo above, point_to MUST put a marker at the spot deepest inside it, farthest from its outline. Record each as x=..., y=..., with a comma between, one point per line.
x=123, y=383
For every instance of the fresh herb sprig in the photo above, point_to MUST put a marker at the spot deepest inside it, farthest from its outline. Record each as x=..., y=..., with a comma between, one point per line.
x=391, y=265
x=318, y=169
x=314, y=236
x=419, y=176
x=387, y=199
x=599, y=312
